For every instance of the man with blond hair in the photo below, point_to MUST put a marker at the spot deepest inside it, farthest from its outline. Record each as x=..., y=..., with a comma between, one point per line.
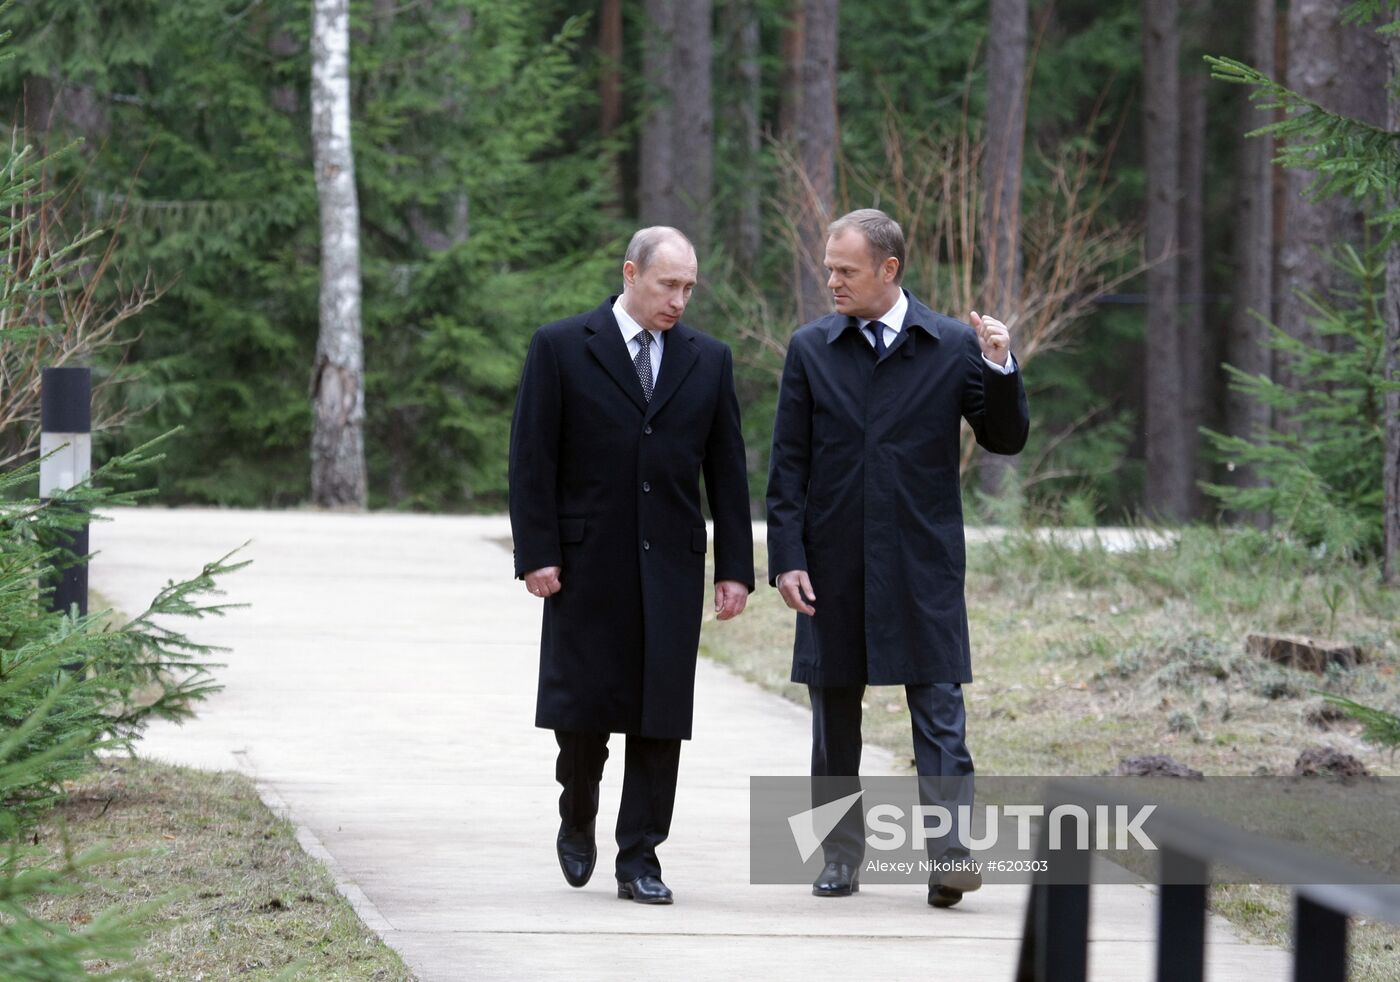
x=865, y=528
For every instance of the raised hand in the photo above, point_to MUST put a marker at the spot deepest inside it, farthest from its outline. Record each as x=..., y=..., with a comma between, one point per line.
x=994, y=336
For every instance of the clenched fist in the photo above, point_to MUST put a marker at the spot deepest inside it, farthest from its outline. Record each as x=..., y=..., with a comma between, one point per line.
x=995, y=338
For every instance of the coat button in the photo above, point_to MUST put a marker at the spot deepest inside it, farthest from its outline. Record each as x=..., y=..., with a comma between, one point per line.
x=646, y=485
x=647, y=429
x=646, y=543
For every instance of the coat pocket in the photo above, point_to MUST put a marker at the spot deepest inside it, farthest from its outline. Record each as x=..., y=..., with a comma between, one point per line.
x=571, y=530
x=698, y=540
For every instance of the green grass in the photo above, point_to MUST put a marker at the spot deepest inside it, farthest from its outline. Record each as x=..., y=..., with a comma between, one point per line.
x=244, y=900
x=1082, y=657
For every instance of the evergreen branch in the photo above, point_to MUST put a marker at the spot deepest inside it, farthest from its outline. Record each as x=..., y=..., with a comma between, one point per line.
x=1381, y=728
x=1348, y=156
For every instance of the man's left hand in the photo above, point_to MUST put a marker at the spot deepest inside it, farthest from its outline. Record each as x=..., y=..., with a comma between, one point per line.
x=730, y=598
x=994, y=336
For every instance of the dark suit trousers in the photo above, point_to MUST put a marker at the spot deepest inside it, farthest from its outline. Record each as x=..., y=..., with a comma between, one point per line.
x=648, y=794
x=940, y=757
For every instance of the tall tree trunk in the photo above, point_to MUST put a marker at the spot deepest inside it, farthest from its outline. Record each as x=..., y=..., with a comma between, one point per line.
x=815, y=136
x=794, y=43
x=451, y=226
x=1336, y=66
x=1254, y=245
x=1168, y=475
x=1392, y=361
x=610, y=78
x=1197, y=372
x=337, y=381
x=694, y=132
x=38, y=109
x=1008, y=24
x=658, y=200
x=677, y=149
x=741, y=37
x=282, y=45
x=71, y=109
x=610, y=93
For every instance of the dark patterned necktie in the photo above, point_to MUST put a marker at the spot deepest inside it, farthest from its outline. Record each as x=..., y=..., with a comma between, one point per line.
x=878, y=329
x=643, y=363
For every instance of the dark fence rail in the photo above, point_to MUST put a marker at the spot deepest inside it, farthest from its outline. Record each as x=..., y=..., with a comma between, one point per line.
x=1327, y=892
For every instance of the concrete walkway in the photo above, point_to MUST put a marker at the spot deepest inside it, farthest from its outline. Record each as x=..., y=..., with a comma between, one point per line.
x=381, y=690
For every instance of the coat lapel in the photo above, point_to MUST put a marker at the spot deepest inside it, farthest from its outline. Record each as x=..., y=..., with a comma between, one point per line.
x=606, y=345
x=677, y=359
x=916, y=316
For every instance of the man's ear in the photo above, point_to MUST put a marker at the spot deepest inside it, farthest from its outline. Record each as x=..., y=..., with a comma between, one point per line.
x=890, y=268
x=629, y=272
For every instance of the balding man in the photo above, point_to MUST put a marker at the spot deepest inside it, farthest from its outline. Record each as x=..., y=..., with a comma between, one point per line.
x=620, y=411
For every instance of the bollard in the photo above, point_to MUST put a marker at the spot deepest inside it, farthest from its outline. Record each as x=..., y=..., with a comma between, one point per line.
x=66, y=427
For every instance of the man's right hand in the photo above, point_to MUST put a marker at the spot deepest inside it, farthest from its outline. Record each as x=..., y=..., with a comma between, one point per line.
x=796, y=590
x=543, y=582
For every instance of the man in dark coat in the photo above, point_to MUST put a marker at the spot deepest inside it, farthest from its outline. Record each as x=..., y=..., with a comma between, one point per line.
x=620, y=411
x=865, y=512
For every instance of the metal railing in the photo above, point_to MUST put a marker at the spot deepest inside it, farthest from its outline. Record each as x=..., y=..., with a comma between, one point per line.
x=1055, y=939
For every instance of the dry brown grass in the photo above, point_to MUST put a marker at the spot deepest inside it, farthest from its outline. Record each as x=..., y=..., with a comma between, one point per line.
x=1083, y=657
x=73, y=309
x=246, y=901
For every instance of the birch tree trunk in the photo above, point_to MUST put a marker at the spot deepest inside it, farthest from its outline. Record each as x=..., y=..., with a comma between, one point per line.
x=337, y=380
x=1008, y=24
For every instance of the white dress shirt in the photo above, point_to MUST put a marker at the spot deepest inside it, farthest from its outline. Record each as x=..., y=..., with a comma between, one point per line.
x=894, y=323
x=630, y=330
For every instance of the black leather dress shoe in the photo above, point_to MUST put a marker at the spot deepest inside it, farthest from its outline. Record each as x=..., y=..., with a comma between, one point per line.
x=577, y=854
x=836, y=880
x=946, y=888
x=645, y=890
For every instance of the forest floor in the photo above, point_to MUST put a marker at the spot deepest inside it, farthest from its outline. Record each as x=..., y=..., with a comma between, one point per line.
x=233, y=893
x=227, y=889
x=1084, y=656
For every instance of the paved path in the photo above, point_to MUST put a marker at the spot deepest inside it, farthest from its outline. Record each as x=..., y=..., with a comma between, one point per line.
x=381, y=688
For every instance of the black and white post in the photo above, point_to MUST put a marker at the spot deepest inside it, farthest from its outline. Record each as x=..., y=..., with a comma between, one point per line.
x=65, y=443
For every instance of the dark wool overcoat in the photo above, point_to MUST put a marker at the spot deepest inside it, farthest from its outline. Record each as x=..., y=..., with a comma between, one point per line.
x=607, y=486
x=864, y=494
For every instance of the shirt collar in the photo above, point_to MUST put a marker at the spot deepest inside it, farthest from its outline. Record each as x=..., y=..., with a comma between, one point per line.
x=894, y=317
x=917, y=315
x=629, y=326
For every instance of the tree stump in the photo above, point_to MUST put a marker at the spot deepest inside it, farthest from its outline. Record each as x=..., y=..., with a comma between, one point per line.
x=1302, y=653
